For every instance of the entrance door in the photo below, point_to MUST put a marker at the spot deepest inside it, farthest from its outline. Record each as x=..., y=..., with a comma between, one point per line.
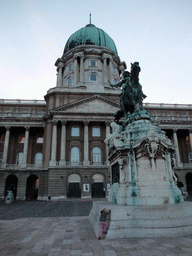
x=32, y=187
x=74, y=190
x=189, y=183
x=98, y=186
x=11, y=184
x=97, y=190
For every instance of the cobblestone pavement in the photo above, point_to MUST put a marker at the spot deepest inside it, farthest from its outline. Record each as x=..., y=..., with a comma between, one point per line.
x=22, y=209
x=73, y=236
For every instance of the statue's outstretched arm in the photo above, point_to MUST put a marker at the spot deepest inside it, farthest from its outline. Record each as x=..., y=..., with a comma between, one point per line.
x=115, y=85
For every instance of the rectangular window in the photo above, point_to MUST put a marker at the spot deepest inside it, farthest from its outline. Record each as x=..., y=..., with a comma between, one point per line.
x=96, y=132
x=93, y=63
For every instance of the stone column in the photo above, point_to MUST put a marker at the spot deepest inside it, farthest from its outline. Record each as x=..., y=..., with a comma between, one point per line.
x=54, y=144
x=175, y=140
x=75, y=71
x=190, y=137
x=26, y=144
x=107, y=124
x=59, y=77
x=86, y=161
x=6, y=146
x=110, y=71
x=62, y=161
x=81, y=69
x=104, y=70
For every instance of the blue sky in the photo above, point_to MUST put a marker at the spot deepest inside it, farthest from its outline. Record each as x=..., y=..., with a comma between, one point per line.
x=158, y=34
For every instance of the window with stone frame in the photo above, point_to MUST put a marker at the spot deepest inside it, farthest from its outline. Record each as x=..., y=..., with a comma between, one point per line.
x=96, y=155
x=114, y=70
x=93, y=77
x=21, y=138
x=38, y=158
x=70, y=67
x=39, y=139
x=96, y=132
x=75, y=155
x=93, y=63
x=3, y=138
x=19, y=158
x=75, y=131
x=69, y=80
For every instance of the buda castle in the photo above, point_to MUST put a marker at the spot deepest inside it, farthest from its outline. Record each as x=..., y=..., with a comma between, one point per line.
x=54, y=149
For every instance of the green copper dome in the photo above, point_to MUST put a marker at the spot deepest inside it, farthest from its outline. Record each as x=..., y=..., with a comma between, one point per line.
x=90, y=35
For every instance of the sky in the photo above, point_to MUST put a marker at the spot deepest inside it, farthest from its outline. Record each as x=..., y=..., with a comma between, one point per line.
x=157, y=33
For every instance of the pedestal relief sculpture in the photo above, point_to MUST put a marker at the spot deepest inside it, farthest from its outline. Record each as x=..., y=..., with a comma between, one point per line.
x=144, y=198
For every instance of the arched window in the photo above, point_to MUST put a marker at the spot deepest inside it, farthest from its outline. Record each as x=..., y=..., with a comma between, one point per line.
x=19, y=158
x=39, y=138
x=22, y=138
x=75, y=131
x=114, y=70
x=96, y=132
x=93, y=77
x=96, y=155
x=70, y=67
x=38, y=158
x=69, y=80
x=75, y=155
x=3, y=138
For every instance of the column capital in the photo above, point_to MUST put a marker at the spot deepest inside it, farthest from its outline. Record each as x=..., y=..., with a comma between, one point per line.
x=175, y=130
x=107, y=123
x=63, y=122
x=86, y=123
x=54, y=122
x=27, y=128
x=190, y=130
x=7, y=127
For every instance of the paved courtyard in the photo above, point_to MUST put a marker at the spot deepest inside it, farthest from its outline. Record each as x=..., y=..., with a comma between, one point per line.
x=58, y=235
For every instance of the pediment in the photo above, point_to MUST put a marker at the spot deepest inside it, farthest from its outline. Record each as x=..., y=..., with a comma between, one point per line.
x=95, y=104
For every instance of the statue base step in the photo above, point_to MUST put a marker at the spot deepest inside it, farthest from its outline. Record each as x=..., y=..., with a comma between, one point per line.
x=144, y=221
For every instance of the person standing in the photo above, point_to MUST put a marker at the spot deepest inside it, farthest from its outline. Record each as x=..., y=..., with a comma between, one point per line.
x=103, y=224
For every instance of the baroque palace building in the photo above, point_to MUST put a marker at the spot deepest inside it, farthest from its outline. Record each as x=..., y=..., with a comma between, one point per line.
x=55, y=149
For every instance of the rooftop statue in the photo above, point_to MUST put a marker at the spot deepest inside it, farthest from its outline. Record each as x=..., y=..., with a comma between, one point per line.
x=131, y=92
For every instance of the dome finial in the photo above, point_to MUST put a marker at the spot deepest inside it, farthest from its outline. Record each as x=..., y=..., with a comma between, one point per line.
x=90, y=18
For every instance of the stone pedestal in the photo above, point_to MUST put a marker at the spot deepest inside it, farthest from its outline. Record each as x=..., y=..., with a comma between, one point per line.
x=143, y=155
x=144, y=198
x=144, y=221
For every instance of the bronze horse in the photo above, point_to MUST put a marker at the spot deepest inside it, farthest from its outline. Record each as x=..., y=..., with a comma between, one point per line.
x=131, y=92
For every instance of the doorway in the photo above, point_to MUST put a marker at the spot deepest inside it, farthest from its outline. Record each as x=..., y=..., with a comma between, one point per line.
x=74, y=190
x=188, y=179
x=98, y=190
x=32, y=187
x=11, y=184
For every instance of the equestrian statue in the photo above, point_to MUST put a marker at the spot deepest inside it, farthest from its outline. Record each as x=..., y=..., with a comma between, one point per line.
x=132, y=93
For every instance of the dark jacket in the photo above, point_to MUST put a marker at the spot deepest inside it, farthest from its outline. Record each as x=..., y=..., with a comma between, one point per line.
x=103, y=217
